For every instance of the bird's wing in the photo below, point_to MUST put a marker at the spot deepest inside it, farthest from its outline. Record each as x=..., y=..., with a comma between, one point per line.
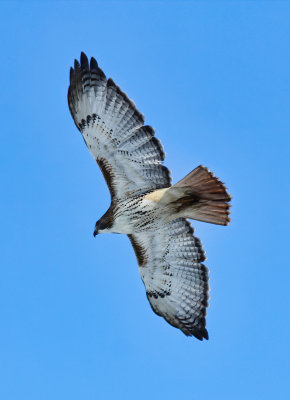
x=127, y=152
x=170, y=263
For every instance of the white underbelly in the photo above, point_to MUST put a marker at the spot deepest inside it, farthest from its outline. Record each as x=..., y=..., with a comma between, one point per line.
x=138, y=216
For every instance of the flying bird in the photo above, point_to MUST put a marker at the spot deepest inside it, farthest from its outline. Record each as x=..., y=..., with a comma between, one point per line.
x=144, y=205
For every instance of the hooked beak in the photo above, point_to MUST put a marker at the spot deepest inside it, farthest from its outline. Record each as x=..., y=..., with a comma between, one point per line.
x=96, y=232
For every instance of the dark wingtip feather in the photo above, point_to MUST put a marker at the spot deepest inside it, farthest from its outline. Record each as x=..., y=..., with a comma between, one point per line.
x=110, y=82
x=76, y=65
x=93, y=63
x=71, y=73
x=205, y=334
x=200, y=334
x=84, y=61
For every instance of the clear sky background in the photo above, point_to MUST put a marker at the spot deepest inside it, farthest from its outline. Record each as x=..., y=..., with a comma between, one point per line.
x=212, y=78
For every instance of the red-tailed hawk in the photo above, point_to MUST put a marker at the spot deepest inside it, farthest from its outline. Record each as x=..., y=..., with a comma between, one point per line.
x=144, y=204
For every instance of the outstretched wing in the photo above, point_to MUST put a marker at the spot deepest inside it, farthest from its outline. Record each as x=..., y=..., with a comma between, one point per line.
x=127, y=152
x=176, y=281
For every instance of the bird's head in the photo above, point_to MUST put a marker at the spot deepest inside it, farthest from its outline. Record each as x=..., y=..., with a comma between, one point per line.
x=104, y=224
x=100, y=227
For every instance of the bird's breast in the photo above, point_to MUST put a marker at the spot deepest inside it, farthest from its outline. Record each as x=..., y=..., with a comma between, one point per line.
x=136, y=215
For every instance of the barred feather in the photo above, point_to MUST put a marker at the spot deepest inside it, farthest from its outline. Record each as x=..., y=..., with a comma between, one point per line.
x=144, y=205
x=176, y=281
x=129, y=155
x=204, y=197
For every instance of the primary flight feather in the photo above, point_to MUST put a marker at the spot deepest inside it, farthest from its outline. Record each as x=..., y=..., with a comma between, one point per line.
x=144, y=204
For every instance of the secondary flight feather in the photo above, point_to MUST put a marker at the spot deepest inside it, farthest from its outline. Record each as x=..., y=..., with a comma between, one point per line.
x=144, y=204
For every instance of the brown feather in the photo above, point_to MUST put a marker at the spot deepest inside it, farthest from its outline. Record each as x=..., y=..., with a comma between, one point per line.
x=107, y=171
x=140, y=251
x=204, y=197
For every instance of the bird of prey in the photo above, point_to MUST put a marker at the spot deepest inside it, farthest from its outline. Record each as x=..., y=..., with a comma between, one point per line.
x=144, y=204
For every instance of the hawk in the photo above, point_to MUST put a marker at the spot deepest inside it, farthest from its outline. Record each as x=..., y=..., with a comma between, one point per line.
x=144, y=205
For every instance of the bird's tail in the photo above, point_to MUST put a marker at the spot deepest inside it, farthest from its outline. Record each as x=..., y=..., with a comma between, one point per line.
x=201, y=196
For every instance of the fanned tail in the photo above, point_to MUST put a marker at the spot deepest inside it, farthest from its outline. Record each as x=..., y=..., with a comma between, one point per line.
x=201, y=196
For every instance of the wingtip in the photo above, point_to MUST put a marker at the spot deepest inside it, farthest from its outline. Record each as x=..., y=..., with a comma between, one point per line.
x=110, y=83
x=205, y=334
x=71, y=73
x=93, y=63
x=84, y=61
x=76, y=65
x=200, y=334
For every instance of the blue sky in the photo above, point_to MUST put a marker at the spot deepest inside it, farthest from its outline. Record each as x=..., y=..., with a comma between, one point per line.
x=212, y=78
